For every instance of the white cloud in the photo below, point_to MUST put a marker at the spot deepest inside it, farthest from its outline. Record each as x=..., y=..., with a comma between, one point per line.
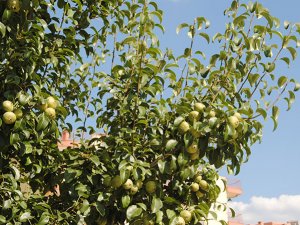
x=282, y=209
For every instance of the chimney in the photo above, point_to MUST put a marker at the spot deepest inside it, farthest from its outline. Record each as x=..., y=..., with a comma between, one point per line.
x=65, y=135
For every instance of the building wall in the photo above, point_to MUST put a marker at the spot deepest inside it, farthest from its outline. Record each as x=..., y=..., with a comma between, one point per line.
x=220, y=207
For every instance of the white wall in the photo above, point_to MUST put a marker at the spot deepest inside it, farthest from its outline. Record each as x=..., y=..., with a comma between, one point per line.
x=220, y=207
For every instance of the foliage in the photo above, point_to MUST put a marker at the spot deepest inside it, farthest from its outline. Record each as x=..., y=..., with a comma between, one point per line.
x=169, y=122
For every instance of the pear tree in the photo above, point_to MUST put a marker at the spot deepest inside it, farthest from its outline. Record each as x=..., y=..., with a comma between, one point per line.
x=168, y=122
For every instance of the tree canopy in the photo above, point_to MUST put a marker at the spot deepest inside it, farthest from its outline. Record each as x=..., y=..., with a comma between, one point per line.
x=168, y=122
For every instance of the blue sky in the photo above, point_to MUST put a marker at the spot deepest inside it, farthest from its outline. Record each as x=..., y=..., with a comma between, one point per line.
x=273, y=170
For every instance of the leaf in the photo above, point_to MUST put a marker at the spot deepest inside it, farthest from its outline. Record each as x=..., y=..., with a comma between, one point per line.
x=180, y=27
x=293, y=52
x=178, y=121
x=297, y=86
x=161, y=166
x=268, y=17
x=286, y=24
x=239, y=20
x=232, y=212
x=171, y=214
x=2, y=29
x=85, y=207
x=253, y=78
x=2, y=219
x=275, y=123
x=205, y=36
x=282, y=81
x=286, y=60
x=156, y=205
x=159, y=217
x=262, y=112
x=275, y=112
x=16, y=172
x=171, y=144
x=25, y=216
x=6, y=15
x=44, y=219
x=125, y=201
x=95, y=160
x=158, y=15
x=207, y=24
x=133, y=211
x=100, y=208
x=143, y=206
x=43, y=122
x=129, y=40
x=290, y=100
x=14, y=138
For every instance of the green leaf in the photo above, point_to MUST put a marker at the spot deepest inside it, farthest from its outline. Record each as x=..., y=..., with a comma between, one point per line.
x=253, y=78
x=133, y=212
x=95, y=160
x=85, y=207
x=297, y=86
x=275, y=121
x=286, y=24
x=156, y=205
x=171, y=214
x=16, y=172
x=206, y=36
x=125, y=201
x=2, y=219
x=129, y=40
x=290, y=100
x=232, y=212
x=157, y=14
x=43, y=122
x=282, y=81
x=171, y=144
x=293, y=52
x=45, y=218
x=200, y=21
x=14, y=138
x=178, y=121
x=2, y=29
x=181, y=26
x=262, y=112
x=159, y=217
x=161, y=166
x=275, y=112
x=143, y=206
x=240, y=20
x=286, y=60
x=25, y=216
x=207, y=24
x=6, y=15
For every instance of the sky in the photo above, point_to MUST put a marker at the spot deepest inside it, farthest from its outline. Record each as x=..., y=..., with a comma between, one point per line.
x=271, y=178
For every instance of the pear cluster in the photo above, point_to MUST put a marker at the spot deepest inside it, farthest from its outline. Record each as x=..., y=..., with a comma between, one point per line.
x=11, y=114
x=200, y=114
x=131, y=187
x=49, y=107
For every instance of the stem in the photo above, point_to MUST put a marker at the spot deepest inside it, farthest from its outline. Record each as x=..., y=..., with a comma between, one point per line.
x=89, y=93
x=275, y=59
x=114, y=50
x=275, y=101
x=247, y=77
x=265, y=73
x=189, y=57
x=140, y=52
